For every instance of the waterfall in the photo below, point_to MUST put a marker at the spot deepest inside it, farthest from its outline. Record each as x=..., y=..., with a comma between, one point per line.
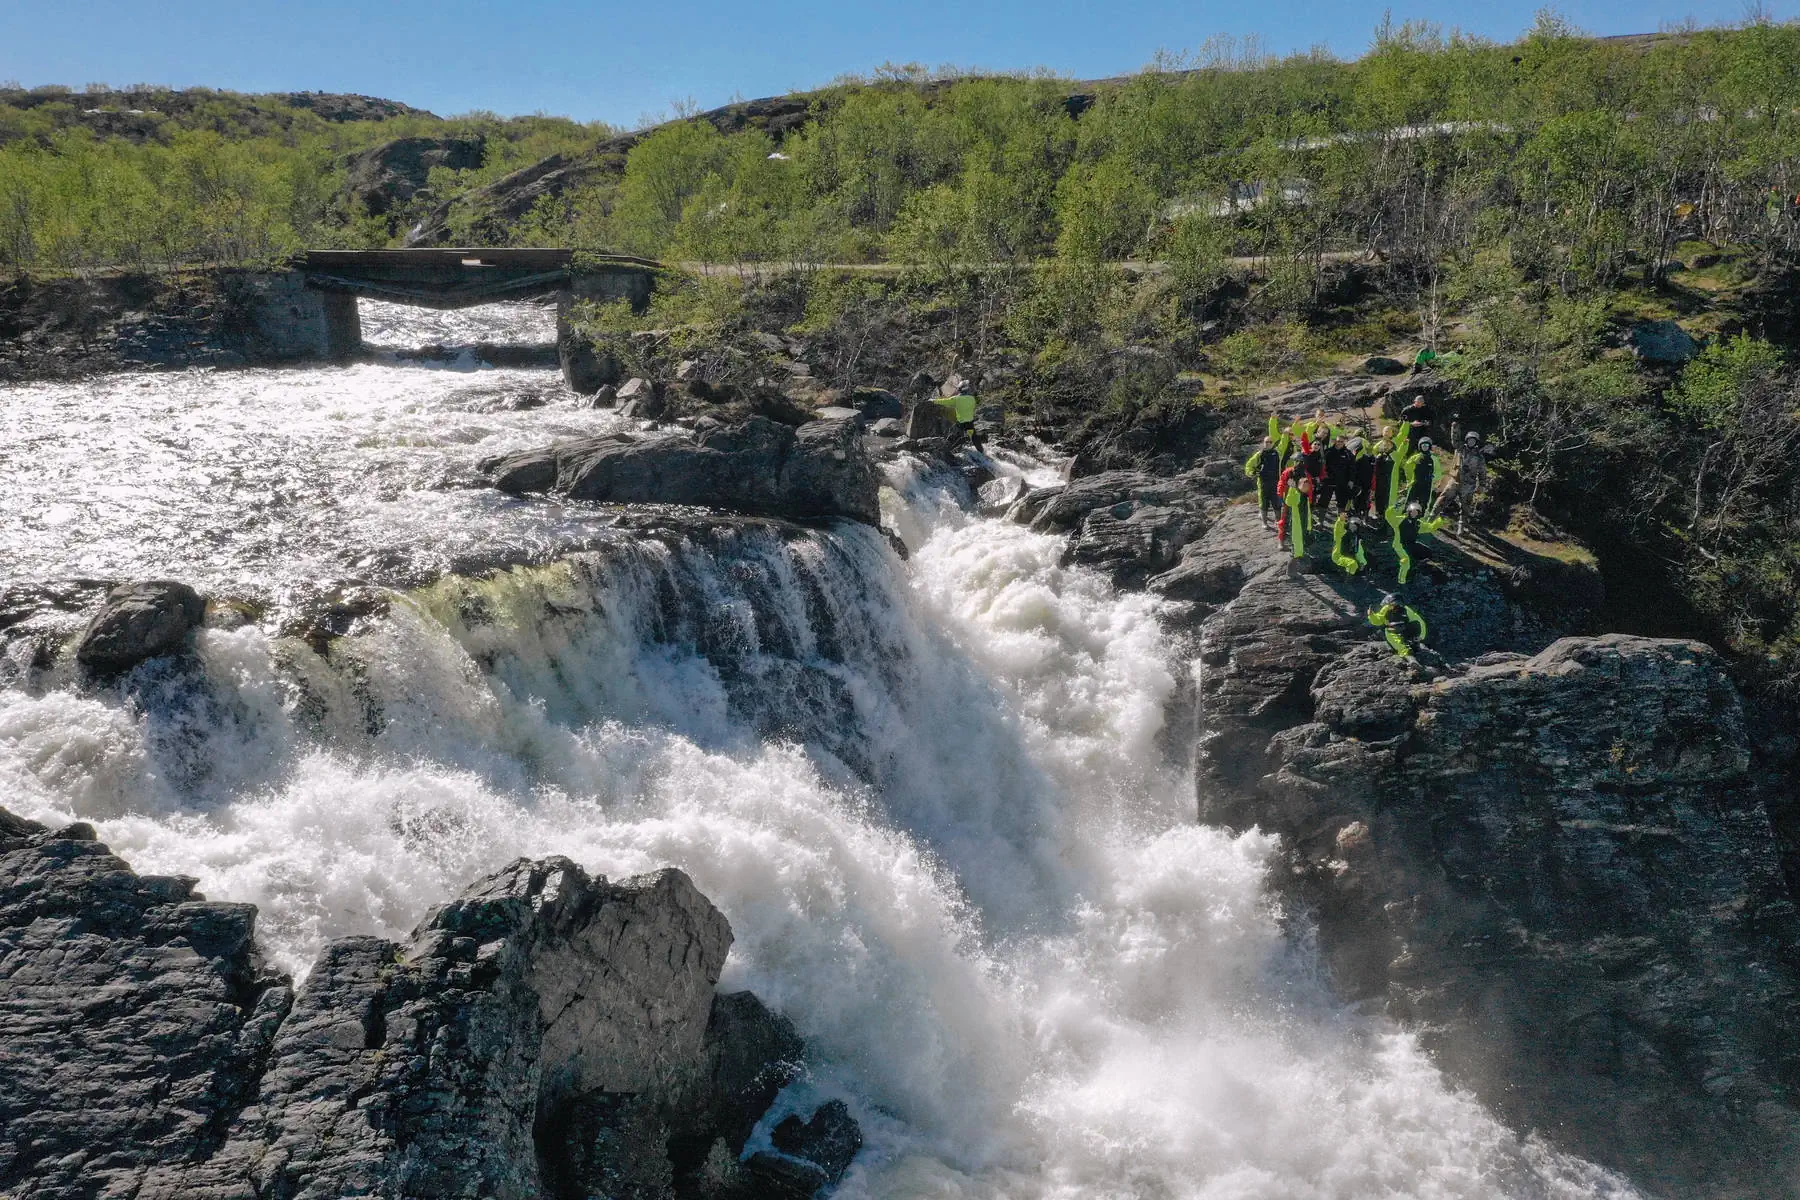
x=930, y=798
x=935, y=797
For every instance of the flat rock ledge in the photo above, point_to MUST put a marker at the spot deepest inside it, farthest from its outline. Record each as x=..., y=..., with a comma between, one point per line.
x=546, y=1033
x=756, y=466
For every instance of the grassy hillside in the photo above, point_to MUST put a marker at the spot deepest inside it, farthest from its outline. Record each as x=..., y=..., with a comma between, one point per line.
x=1531, y=202
x=150, y=176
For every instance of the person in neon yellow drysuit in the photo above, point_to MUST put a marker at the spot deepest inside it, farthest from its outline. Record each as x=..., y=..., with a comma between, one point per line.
x=1408, y=524
x=962, y=410
x=1347, y=554
x=1400, y=624
x=1265, y=467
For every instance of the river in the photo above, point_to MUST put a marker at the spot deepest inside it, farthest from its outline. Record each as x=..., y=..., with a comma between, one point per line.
x=936, y=798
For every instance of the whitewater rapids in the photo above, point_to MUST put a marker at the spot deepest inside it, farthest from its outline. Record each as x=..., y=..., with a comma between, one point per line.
x=935, y=798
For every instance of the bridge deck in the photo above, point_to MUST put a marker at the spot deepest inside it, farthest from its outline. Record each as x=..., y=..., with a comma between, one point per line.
x=458, y=277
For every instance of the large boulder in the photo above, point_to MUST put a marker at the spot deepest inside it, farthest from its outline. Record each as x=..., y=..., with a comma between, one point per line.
x=756, y=466
x=545, y=1033
x=1556, y=867
x=140, y=621
x=586, y=366
x=1662, y=342
x=382, y=179
x=133, y=1014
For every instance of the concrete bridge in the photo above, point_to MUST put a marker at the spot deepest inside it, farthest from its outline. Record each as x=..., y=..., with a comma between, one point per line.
x=312, y=307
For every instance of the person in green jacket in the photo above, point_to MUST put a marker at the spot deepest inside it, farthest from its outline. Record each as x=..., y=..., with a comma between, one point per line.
x=1408, y=524
x=1400, y=623
x=1346, y=546
x=962, y=409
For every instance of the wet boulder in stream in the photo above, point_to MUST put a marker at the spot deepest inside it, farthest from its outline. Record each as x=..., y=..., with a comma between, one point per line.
x=140, y=621
x=756, y=466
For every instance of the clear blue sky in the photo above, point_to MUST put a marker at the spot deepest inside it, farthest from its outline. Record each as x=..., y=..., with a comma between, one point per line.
x=621, y=61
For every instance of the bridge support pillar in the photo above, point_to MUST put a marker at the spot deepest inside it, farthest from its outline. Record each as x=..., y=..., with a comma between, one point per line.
x=343, y=326
x=286, y=321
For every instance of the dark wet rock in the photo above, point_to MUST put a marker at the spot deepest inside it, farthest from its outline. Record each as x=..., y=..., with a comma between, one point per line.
x=322, y=616
x=1131, y=541
x=749, y=1055
x=929, y=420
x=140, y=621
x=756, y=466
x=876, y=404
x=1158, y=442
x=1555, y=867
x=543, y=1033
x=829, y=1139
x=1380, y=364
x=1130, y=524
x=38, y=619
x=586, y=367
x=134, y=1016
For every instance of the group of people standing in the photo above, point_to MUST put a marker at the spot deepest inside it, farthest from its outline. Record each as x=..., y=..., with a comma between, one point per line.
x=1306, y=469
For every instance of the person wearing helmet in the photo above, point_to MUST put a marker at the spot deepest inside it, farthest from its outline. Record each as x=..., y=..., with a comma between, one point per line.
x=1296, y=490
x=1408, y=524
x=1339, y=460
x=1346, y=545
x=1400, y=623
x=1421, y=473
x=1470, y=482
x=1381, y=468
x=1265, y=468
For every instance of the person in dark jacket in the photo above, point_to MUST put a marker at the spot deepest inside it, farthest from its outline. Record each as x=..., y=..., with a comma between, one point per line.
x=1419, y=415
x=1384, y=477
x=1265, y=468
x=1421, y=471
x=1340, y=460
x=1363, y=470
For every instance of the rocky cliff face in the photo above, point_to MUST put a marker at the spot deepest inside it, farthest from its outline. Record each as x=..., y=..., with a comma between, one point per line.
x=545, y=1033
x=1549, y=856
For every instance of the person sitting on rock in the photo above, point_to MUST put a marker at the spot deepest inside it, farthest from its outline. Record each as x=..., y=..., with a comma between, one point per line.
x=962, y=410
x=1408, y=525
x=1295, y=488
x=1400, y=623
x=1265, y=467
x=1346, y=545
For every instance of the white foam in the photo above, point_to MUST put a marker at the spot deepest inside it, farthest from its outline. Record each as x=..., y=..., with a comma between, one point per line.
x=1009, y=946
